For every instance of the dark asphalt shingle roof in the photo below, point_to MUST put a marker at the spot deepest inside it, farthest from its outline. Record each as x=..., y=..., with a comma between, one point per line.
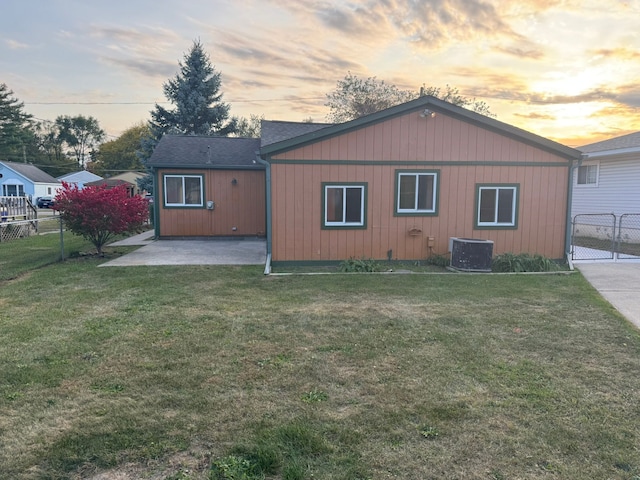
x=277, y=131
x=631, y=140
x=205, y=152
x=31, y=172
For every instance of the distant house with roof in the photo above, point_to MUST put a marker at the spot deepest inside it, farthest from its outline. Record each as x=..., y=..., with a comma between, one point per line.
x=128, y=179
x=26, y=180
x=396, y=184
x=80, y=178
x=608, y=180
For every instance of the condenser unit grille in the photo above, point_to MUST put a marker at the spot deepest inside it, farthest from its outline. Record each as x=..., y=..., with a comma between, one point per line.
x=471, y=254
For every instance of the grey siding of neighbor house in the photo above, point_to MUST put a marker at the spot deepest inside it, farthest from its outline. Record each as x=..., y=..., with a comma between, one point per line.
x=617, y=189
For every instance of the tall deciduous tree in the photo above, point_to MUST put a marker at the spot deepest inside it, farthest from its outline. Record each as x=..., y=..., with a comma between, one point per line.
x=249, y=127
x=354, y=97
x=16, y=127
x=119, y=155
x=80, y=134
x=97, y=213
x=453, y=95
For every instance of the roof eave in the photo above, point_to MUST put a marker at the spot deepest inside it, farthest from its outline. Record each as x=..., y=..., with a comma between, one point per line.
x=614, y=152
x=207, y=167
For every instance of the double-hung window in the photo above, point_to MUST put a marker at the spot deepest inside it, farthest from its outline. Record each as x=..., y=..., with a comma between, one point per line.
x=588, y=174
x=13, y=190
x=344, y=205
x=183, y=191
x=497, y=206
x=416, y=193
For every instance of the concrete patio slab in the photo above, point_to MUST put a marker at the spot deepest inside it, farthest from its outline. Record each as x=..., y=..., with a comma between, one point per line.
x=192, y=252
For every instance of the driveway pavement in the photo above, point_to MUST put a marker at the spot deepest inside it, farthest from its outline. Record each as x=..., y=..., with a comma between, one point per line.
x=190, y=252
x=618, y=283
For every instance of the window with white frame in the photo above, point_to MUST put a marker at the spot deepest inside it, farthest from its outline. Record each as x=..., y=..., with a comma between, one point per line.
x=497, y=206
x=183, y=191
x=588, y=174
x=344, y=205
x=416, y=193
x=12, y=190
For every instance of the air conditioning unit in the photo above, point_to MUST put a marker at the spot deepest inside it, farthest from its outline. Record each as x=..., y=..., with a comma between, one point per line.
x=471, y=254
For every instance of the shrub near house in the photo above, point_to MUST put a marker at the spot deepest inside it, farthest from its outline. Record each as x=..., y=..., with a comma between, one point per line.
x=97, y=212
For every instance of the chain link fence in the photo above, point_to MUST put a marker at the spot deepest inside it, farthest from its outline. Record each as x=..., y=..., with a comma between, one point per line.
x=593, y=237
x=14, y=230
x=605, y=237
x=628, y=238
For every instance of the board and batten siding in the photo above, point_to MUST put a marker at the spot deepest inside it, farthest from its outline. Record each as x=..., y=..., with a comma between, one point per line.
x=241, y=205
x=464, y=156
x=616, y=191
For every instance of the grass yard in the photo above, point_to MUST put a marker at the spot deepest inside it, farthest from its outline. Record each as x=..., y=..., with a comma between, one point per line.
x=218, y=372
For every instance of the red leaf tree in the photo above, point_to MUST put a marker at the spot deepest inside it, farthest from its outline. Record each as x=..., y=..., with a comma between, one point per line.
x=97, y=213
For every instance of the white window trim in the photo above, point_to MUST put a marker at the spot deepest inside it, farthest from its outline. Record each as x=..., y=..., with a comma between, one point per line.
x=415, y=200
x=588, y=185
x=514, y=204
x=184, y=191
x=344, y=206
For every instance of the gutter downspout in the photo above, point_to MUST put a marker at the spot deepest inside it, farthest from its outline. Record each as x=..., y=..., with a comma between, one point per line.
x=567, y=235
x=267, y=165
x=156, y=203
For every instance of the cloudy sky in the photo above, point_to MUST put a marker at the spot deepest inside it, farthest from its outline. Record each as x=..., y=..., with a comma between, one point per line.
x=564, y=69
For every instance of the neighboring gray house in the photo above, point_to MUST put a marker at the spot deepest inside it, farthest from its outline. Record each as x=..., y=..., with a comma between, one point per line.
x=80, y=178
x=25, y=180
x=608, y=181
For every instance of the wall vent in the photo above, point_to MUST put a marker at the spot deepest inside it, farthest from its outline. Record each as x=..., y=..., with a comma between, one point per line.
x=471, y=254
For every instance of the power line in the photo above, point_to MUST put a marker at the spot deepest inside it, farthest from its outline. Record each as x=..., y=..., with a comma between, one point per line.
x=167, y=103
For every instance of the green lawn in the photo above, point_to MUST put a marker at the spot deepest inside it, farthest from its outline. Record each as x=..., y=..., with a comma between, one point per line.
x=187, y=372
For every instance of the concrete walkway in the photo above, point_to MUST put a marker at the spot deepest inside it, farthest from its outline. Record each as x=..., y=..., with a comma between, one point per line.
x=618, y=283
x=190, y=252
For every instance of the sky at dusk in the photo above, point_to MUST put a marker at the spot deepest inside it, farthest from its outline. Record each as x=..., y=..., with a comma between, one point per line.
x=568, y=70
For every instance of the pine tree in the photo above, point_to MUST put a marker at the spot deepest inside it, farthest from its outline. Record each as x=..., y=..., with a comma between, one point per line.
x=16, y=127
x=199, y=109
x=195, y=92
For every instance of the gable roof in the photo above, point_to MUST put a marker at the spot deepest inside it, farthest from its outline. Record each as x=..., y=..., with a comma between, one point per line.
x=30, y=172
x=205, y=152
x=629, y=143
x=109, y=182
x=437, y=106
x=81, y=176
x=273, y=131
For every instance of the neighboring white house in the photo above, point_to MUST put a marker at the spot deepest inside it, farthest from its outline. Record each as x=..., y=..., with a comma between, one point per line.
x=80, y=178
x=608, y=181
x=25, y=180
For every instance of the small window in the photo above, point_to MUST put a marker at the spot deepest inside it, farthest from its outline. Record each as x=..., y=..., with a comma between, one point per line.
x=497, y=206
x=183, y=191
x=344, y=205
x=416, y=193
x=588, y=174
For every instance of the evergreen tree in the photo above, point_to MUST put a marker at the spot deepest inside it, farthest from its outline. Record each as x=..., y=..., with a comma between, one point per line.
x=199, y=109
x=17, y=139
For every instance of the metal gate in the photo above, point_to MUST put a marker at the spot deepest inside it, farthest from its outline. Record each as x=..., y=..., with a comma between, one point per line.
x=628, y=236
x=605, y=237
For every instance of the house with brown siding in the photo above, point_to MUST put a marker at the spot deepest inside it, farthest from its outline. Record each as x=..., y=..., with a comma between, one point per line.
x=208, y=187
x=396, y=184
